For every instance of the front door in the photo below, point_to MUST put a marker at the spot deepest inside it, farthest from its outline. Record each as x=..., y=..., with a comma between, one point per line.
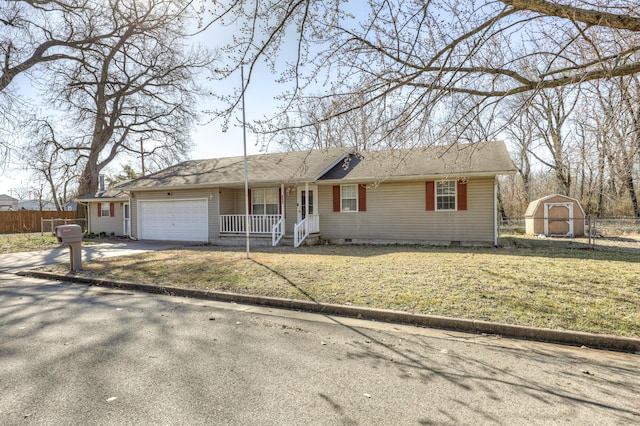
x=303, y=200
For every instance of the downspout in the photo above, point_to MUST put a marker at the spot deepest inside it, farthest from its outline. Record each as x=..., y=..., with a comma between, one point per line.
x=88, y=214
x=131, y=237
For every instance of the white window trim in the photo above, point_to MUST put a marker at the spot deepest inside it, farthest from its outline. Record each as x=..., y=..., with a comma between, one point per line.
x=102, y=209
x=342, y=210
x=265, y=204
x=455, y=195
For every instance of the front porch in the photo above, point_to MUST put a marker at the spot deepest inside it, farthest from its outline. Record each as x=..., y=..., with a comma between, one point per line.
x=263, y=226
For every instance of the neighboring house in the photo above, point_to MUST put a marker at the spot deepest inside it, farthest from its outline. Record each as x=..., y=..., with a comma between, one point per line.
x=107, y=211
x=7, y=202
x=36, y=205
x=437, y=195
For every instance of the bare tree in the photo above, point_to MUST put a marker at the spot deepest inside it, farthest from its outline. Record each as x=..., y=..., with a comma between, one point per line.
x=50, y=162
x=620, y=127
x=417, y=54
x=364, y=129
x=34, y=34
x=39, y=32
x=521, y=132
x=550, y=110
x=132, y=93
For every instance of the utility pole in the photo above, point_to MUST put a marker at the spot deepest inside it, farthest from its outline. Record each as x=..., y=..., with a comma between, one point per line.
x=142, y=155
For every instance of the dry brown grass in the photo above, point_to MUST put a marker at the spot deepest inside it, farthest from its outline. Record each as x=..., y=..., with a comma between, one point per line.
x=13, y=243
x=528, y=282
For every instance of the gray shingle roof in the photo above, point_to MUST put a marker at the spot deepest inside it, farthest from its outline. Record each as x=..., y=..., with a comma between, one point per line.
x=286, y=167
x=456, y=161
x=487, y=158
x=116, y=192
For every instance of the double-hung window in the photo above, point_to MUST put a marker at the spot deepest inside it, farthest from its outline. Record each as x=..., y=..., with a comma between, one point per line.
x=264, y=201
x=446, y=195
x=349, y=198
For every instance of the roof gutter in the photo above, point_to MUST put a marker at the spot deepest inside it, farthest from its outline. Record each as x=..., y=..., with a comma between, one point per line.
x=88, y=212
x=240, y=184
x=441, y=176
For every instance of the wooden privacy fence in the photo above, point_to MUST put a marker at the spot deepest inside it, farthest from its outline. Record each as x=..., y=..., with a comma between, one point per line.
x=21, y=221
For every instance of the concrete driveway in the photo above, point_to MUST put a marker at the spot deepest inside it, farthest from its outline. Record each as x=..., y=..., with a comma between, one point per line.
x=12, y=262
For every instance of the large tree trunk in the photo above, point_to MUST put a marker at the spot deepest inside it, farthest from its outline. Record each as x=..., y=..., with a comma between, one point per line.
x=628, y=181
x=601, y=167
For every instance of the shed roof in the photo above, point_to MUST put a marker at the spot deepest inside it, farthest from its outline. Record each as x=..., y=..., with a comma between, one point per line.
x=533, y=206
x=488, y=158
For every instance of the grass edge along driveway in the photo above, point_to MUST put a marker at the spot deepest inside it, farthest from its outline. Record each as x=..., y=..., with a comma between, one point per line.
x=551, y=287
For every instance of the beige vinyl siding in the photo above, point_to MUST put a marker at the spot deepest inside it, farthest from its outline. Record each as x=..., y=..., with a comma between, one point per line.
x=239, y=201
x=106, y=224
x=210, y=194
x=228, y=200
x=396, y=211
x=232, y=201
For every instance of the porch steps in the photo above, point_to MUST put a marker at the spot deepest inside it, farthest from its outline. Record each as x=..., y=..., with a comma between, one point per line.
x=264, y=241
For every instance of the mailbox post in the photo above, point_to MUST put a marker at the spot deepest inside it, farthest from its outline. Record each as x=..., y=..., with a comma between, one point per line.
x=72, y=235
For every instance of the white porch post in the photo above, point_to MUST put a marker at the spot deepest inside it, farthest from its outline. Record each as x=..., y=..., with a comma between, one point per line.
x=306, y=200
x=282, y=205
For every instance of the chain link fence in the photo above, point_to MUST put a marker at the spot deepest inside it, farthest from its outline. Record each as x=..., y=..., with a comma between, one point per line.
x=590, y=231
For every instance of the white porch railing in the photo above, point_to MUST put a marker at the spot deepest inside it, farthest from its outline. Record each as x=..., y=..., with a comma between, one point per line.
x=308, y=225
x=277, y=232
x=258, y=223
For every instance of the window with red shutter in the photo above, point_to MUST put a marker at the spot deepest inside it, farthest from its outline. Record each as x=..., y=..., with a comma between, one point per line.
x=336, y=198
x=362, y=198
x=430, y=196
x=462, y=195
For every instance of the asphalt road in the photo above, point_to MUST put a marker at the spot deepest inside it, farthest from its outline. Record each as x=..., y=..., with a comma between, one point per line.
x=72, y=354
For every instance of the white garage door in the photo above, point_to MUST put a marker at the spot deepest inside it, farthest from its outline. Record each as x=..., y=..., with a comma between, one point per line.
x=181, y=220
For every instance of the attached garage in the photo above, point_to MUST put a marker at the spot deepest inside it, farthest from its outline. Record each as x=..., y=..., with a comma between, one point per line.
x=175, y=220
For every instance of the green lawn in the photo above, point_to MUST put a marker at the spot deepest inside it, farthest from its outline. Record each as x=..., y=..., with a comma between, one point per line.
x=540, y=284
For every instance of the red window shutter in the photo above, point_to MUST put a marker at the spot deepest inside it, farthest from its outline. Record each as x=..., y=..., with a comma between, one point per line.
x=462, y=195
x=99, y=209
x=431, y=196
x=249, y=197
x=112, y=210
x=280, y=201
x=336, y=198
x=362, y=198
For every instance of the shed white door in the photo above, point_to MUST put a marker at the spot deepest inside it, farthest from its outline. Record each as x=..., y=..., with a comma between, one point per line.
x=180, y=220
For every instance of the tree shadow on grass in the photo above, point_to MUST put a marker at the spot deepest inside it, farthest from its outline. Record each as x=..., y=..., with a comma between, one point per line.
x=474, y=375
